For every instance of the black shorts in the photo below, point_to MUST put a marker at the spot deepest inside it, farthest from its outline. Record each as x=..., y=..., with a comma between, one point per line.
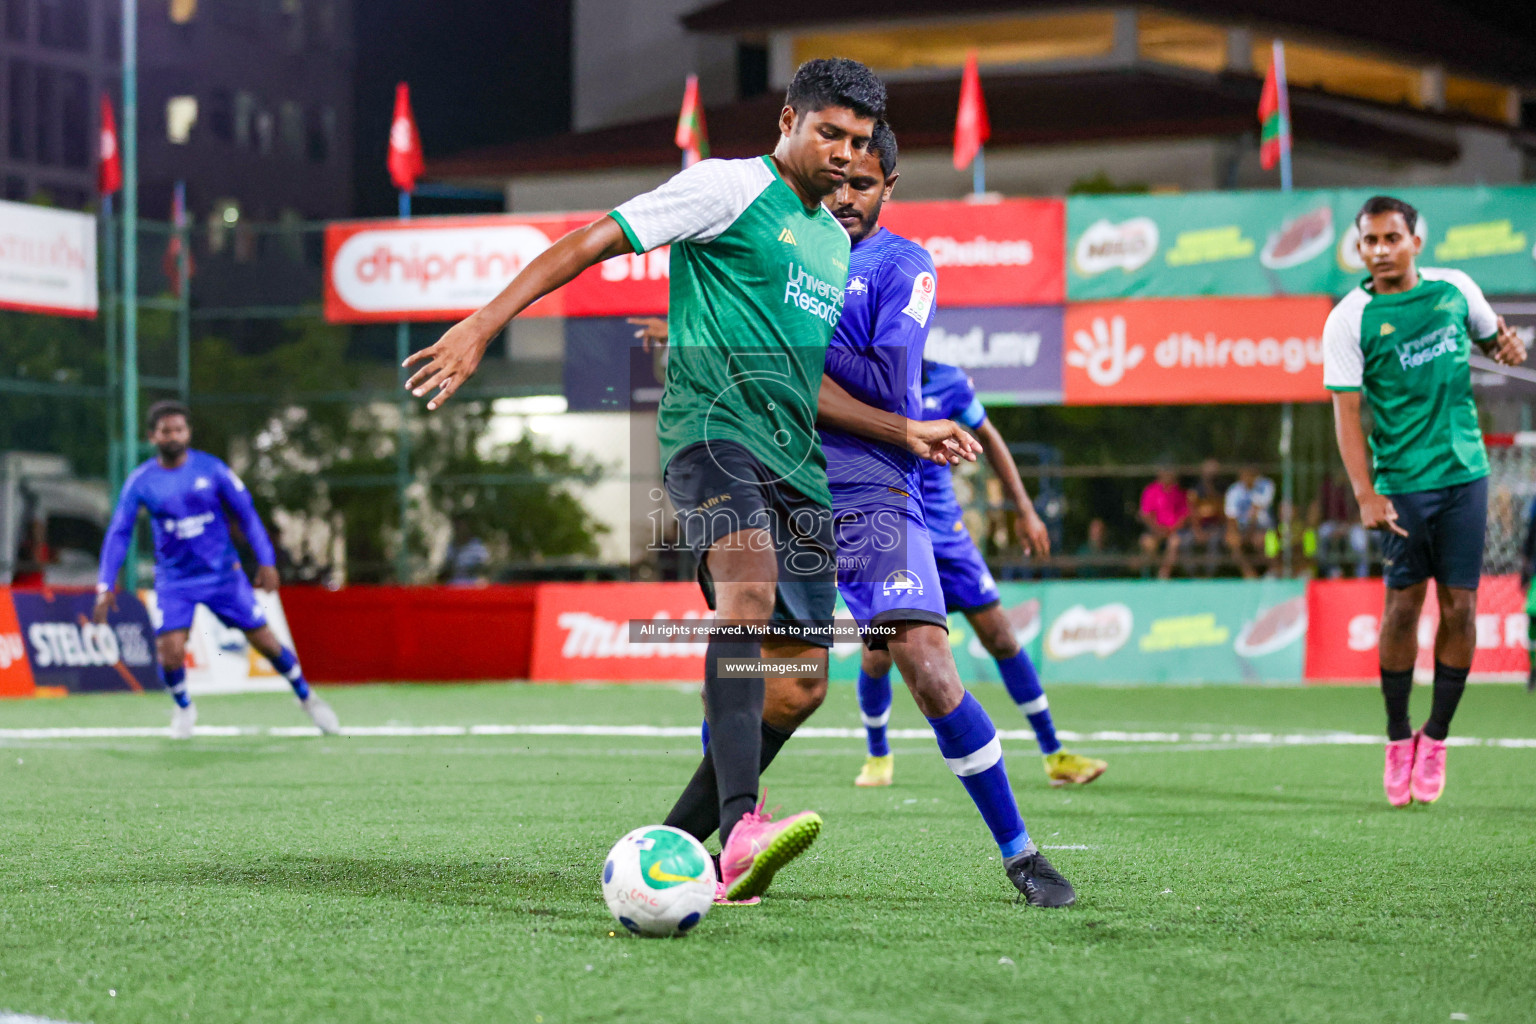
x=1445, y=537
x=720, y=488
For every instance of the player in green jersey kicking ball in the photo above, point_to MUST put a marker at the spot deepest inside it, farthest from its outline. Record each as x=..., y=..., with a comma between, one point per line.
x=758, y=267
x=1403, y=339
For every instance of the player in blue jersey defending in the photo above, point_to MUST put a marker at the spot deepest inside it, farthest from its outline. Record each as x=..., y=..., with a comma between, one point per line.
x=887, y=570
x=969, y=589
x=188, y=495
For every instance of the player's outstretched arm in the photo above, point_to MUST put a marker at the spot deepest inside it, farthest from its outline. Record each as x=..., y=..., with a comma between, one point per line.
x=114, y=549
x=237, y=497
x=1505, y=347
x=1028, y=524
x=447, y=363
x=1376, y=510
x=942, y=441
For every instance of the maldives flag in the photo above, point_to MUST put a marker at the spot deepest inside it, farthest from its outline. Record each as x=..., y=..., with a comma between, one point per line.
x=972, y=129
x=109, y=161
x=405, y=160
x=691, y=137
x=1274, y=112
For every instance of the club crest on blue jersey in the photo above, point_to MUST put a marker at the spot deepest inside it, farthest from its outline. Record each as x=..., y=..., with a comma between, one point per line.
x=857, y=286
x=903, y=581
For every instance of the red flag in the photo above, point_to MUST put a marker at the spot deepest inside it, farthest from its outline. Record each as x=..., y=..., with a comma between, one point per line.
x=1274, y=116
x=691, y=137
x=171, y=262
x=109, y=161
x=972, y=129
x=405, y=160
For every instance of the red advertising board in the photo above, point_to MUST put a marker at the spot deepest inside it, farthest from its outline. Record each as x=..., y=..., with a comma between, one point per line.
x=15, y=669
x=1189, y=351
x=1009, y=253
x=443, y=268
x=1344, y=622
x=582, y=631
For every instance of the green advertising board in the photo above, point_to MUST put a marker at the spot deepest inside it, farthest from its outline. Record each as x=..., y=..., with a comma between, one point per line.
x=1285, y=243
x=1140, y=631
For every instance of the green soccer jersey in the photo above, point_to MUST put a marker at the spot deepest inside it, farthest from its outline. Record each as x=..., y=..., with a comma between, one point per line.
x=1408, y=352
x=757, y=287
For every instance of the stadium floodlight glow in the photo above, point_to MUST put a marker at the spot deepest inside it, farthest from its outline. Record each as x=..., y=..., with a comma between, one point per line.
x=531, y=405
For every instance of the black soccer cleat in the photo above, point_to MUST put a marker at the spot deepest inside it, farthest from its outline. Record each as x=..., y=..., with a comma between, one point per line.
x=1041, y=884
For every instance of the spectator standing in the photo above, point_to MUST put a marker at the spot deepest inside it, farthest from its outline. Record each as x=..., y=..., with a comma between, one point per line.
x=1248, y=504
x=1164, y=513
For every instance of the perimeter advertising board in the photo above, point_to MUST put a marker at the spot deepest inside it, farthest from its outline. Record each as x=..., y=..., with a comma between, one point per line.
x=47, y=260
x=443, y=268
x=1182, y=351
x=1278, y=243
x=69, y=653
x=1012, y=353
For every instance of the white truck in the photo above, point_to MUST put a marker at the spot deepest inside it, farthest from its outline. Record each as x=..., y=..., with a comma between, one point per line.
x=45, y=508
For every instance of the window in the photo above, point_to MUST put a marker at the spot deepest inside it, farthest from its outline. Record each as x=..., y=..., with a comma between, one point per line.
x=18, y=91
x=45, y=145
x=64, y=24
x=112, y=34
x=221, y=115
x=15, y=188
x=751, y=70
x=290, y=117
x=265, y=130
x=1345, y=74
x=16, y=20
x=1482, y=99
x=1179, y=41
x=1025, y=40
x=75, y=120
x=293, y=24
x=58, y=194
x=180, y=117
x=182, y=11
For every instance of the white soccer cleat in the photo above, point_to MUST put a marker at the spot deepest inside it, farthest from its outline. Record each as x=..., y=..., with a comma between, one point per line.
x=321, y=714
x=183, y=720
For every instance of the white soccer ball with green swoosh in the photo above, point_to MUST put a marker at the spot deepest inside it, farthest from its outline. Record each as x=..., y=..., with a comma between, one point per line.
x=659, y=881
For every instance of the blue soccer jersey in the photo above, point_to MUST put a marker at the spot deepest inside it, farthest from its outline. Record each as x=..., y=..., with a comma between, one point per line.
x=886, y=570
x=186, y=507
x=948, y=394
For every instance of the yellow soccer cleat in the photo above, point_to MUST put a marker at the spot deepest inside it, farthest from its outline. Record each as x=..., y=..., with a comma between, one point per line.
x=1063, y=768
x=877, y=771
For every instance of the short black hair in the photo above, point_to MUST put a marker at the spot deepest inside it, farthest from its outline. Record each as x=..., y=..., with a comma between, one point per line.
x=1387, y=204
x=836, y=82
x=160, y=410
x=883, y=141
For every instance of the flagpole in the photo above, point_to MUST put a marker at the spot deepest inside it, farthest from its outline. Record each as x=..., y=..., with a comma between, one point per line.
x=129, y=145
x=109, y=332
x=183, y=295
x=403, y=437
x=979, y=171
x=1287, y=409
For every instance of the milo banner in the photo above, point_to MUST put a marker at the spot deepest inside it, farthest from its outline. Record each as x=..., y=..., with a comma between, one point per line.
x=1276, y=243
x=1135, y=631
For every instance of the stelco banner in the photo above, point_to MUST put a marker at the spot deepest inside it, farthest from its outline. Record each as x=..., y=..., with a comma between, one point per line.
x=443, y=268
x=47, y=260
x=1182, y=351
x=1276, y=243
x=48, y=642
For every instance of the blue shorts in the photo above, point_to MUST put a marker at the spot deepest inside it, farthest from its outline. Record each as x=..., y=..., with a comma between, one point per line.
x=1445, y=537
x=231, y=599
x=885, y=567
x=963, y=574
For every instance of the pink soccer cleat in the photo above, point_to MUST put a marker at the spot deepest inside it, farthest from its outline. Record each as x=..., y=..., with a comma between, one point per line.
x=1428, y=770
x=721, y=901
x=759, y=846
x=1398, y=778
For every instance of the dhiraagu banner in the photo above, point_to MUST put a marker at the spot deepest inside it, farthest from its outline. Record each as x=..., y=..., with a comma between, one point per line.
x=1277, y=243
x=1140, y=631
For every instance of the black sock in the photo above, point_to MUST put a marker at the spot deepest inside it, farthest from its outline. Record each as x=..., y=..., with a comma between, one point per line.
x=697, y=811
x=733, y=706
x=1450, y=683
x=1395, y=688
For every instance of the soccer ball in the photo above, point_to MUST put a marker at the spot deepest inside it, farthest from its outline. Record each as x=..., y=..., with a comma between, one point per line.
x=659, y=881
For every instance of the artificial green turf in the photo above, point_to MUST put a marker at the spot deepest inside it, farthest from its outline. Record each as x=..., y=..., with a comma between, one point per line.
x=455, y=878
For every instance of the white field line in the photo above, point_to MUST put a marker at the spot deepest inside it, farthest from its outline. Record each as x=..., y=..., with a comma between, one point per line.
x=6, y=1017
x=691, y=732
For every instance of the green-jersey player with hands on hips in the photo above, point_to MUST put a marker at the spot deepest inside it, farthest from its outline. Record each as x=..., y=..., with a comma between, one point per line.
x=1402, y=340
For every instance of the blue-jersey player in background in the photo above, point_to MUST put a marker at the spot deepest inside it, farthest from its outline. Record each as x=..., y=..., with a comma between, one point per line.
x=947, y=393
x=188, y=495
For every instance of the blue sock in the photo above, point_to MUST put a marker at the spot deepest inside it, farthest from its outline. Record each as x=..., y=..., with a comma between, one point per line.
x=875, y=710
x=971, y=749
x=176, y=682
x=287, y=665
x=704, y=735
x=1025, y=689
